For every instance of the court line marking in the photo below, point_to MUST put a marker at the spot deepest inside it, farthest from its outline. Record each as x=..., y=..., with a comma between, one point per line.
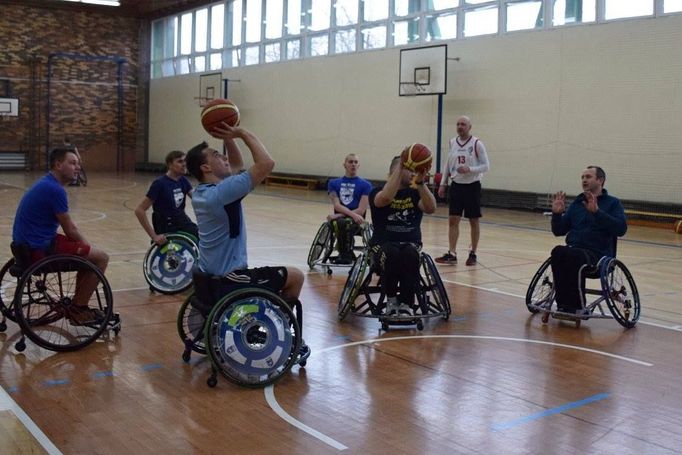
x=269, y=391
x=676, y=328
x=548, y=412
x=7, y=403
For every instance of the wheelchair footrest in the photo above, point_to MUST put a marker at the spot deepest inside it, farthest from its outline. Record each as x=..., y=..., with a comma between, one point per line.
x=570, y=316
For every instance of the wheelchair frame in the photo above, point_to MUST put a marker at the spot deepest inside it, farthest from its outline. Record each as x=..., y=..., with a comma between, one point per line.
x=359, y=283
x=168, y=268
x=321, y=250
x=42, y=303
x=618, y=291
x=238, y=335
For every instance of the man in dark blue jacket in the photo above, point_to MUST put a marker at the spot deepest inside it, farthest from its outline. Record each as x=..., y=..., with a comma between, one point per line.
x=591, y=224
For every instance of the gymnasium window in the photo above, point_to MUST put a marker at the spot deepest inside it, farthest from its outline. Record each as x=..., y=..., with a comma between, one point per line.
x=233, y=33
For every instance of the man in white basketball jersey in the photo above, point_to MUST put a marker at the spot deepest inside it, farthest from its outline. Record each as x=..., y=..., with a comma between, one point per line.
x=466, y=163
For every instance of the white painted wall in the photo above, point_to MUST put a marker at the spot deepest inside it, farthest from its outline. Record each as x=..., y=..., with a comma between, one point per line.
x=545, y=103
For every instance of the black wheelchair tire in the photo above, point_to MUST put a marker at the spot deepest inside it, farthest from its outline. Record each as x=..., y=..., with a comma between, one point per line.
x=530, y=293
x=8, y=290
x=435, y=283
x=356, y=276
x=607, y=273
x=320, y=245
x=185, y=331
x=52, y=264
x=185, y=237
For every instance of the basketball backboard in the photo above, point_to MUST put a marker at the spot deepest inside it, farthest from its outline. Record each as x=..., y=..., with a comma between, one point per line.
x=9, y=107
x=209, y=87
x=423, y=70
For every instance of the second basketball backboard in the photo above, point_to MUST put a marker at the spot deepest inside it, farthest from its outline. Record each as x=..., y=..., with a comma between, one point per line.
x=423, y=70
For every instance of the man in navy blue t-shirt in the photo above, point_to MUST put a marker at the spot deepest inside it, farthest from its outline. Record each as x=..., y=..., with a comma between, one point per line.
x=167, y=197
x=42, y=209
x=349, y=195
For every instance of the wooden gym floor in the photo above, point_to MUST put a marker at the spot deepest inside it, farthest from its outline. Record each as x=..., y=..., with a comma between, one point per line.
x=493, y=379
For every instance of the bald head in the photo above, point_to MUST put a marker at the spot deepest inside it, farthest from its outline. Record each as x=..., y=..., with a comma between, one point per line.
x=463, y=127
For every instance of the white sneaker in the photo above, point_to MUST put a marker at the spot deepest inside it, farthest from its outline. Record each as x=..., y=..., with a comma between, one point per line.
x=404, y=309
x=392, y=308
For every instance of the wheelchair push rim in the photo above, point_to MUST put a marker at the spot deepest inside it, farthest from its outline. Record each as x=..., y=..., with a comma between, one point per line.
x=321, y=247
x=168, y=267
x=44, y=307
x=542, y=297
x=620, y=292
x=8, y=287
x=191, y=325
x=356, y=276
x=253, y=337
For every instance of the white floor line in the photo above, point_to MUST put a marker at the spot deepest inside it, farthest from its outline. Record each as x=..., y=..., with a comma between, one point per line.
x=7, y=403
x=676, y=328
x=277, y=409
x=130, y=289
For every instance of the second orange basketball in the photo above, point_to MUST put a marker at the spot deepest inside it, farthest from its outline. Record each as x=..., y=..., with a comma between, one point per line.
x=417, y=158
x=218, y=111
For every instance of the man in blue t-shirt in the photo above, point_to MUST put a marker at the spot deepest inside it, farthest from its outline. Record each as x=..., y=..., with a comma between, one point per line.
x=42, y=209
x=217, y=202
x=167, y=195
x=397, y=210
x=349, y=195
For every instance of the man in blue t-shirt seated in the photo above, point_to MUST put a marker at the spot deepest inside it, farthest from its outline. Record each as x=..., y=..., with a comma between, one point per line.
x=167, y=195
x=397, y=210
x=42, y=209
x=217, y=202
x=350, y=199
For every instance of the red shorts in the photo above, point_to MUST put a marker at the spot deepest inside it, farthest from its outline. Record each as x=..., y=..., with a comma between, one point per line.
x=62, y=245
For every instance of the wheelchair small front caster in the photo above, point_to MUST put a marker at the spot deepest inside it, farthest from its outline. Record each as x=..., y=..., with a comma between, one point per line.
x=186, y=356
x=545, y=318
x=384, y=326
x=3, y=326
x=20, y=345
x=420, y=325
x=212, y=381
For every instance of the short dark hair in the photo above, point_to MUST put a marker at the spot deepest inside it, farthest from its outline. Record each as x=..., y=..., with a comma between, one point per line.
x=58, y=154
x=195, y=158
x=174, y=155
x=601, y=175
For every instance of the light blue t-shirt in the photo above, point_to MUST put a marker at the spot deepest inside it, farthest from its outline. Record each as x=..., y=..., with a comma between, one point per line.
x=36, y=223
x=222, y=231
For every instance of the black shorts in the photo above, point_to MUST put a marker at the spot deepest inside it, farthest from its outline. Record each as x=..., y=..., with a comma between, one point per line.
x=465, y=198
x=271, y=278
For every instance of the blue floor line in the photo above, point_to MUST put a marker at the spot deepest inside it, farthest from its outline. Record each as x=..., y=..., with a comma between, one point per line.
x=548, y=412
x=103, y=374
x=53, y=382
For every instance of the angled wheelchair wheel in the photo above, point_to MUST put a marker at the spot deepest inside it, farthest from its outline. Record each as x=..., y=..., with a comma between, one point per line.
x=168, y=267
x=367, y=232
x=540, y=292
x=8, y=286
x=351, y=289
x=252, y=337
x=191, y=326
x=322, y=245
x=620, y=292
x=44, y=307
x=435, y=285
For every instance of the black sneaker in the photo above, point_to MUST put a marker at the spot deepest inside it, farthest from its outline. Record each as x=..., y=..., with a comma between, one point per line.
x=447, y=259
x=471, y=260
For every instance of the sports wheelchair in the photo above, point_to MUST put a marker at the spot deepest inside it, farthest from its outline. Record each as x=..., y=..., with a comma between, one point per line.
x=38, y=297
x=431, y=299
x=168, y=267
x=323, y=246
x=617, y=289
x=250, y=334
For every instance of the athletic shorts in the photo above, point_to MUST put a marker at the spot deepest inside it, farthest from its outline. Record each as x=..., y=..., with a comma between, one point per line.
x=271, y=278
x=465, y=198
x=62, y=245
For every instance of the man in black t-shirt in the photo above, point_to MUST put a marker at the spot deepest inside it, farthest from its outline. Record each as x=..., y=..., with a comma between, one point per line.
x=397, y=210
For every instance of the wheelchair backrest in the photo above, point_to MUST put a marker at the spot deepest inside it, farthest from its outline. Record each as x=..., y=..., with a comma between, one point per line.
x=22, y=258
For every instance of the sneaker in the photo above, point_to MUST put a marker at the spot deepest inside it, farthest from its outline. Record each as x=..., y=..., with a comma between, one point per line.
x=343, y=260
x=404, y=309
x=85, y=315
x=471, y=260
x=303, y=354
x=448, y=259
x=392, y=308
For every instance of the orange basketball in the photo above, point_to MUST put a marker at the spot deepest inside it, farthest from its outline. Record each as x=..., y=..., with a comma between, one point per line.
x=416, y=158
x=678, y=226
x=217, y=111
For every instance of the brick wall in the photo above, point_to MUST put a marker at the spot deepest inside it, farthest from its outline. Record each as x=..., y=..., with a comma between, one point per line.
x=83, y=92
